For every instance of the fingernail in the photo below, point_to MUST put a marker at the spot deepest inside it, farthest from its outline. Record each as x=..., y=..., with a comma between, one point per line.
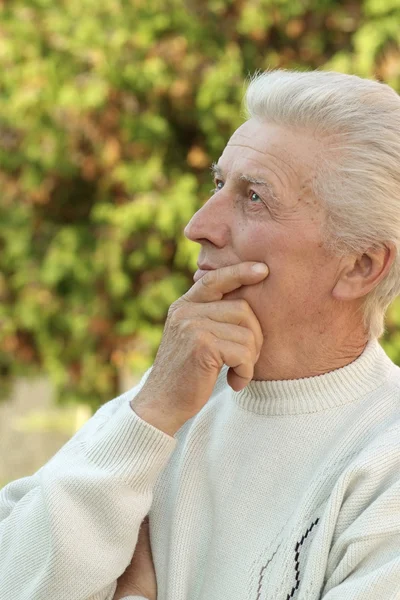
x=260, y=268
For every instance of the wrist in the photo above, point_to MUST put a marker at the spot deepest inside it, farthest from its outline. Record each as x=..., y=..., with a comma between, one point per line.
x=155, y=417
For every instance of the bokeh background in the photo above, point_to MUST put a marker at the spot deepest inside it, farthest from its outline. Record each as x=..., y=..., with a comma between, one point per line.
x=111, y=114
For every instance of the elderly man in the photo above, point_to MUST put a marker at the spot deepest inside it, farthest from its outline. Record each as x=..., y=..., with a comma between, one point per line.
x=264, y=443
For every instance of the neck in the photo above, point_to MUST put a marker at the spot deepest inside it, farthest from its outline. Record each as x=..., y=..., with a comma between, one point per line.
x=294, y=355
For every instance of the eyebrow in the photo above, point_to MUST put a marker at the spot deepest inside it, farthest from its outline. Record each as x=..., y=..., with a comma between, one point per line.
x=217, y=172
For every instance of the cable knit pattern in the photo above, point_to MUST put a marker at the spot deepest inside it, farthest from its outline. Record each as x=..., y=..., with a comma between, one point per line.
x=287, y=490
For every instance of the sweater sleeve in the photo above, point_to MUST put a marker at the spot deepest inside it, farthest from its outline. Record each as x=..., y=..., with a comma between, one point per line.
x=69, y=531
x=364, y=560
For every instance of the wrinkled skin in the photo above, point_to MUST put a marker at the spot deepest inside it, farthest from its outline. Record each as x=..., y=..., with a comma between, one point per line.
x=264, y=209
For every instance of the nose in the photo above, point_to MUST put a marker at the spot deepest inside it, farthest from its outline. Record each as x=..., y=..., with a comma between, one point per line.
x=211, y=222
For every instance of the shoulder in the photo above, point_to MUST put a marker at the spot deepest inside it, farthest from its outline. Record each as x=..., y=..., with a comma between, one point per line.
x=382, y=453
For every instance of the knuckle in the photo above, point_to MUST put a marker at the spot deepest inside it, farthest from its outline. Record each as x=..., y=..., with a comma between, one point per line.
x=202, y=337
x=203, y=343
x=173, y=318
x=185, y=325
x=174, y=307
x=178, y=310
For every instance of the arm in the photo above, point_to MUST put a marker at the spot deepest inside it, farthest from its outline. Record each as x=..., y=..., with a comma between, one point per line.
x=70, y=530
x=375, y=573
x=364, y=561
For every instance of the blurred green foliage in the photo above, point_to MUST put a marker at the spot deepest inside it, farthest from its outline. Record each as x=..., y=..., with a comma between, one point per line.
x=110, y=115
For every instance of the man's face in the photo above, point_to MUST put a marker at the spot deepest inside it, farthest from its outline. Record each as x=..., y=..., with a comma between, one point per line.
x=277, y=223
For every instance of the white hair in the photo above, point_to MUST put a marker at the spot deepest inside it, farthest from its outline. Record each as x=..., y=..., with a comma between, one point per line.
x=358, y=178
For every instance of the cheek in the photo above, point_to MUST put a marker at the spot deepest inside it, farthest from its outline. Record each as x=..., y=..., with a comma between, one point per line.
x=295, y=261
x=264, y=244
x=252, y=241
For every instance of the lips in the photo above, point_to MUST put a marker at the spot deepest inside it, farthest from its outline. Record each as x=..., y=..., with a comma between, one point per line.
x=206, y=267
x=202, y=270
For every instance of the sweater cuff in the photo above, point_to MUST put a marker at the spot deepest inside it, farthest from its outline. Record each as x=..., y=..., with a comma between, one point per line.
x=131, y=448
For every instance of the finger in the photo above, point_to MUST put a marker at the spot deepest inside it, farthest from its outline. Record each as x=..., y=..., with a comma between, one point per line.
x=232, y=333
x=235, y=382
x=239, y=358
x=214, y=284
x=236, y=312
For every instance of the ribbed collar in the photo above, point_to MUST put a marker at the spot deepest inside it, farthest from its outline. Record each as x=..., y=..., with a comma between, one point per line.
x=312, y=394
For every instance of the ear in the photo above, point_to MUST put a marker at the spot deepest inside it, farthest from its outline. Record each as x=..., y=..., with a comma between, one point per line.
x=361, y=274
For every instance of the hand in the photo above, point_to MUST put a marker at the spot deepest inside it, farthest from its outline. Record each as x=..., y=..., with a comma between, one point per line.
x=140, y=577
x=202, y=333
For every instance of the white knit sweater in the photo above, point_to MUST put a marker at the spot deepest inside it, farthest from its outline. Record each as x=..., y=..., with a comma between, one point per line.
x=287, y=490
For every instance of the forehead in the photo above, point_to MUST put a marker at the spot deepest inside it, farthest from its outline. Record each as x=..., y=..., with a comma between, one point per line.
x=292, y=147
x=260, y=135
x=289, y=155
x=287, y=158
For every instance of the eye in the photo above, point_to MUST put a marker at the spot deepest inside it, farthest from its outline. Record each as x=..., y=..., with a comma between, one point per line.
x=218, y=185
x=254, y=197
